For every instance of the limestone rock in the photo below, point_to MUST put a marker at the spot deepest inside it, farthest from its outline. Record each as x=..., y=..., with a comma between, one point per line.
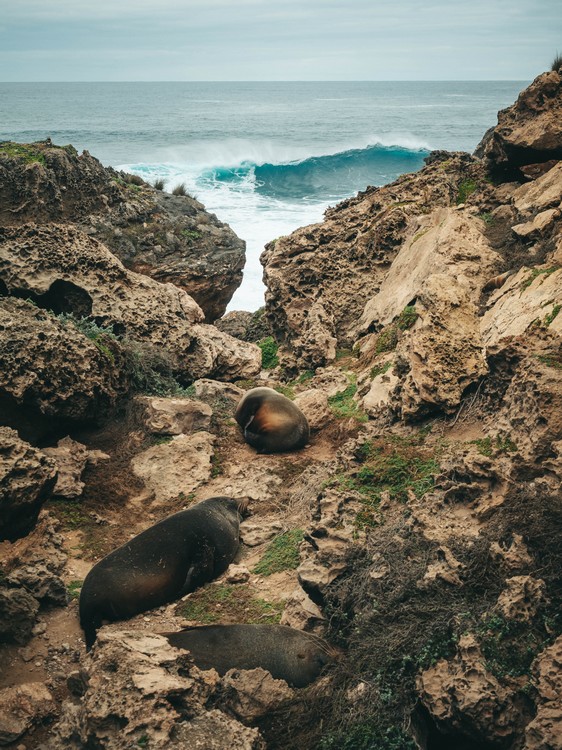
x=250, y=694
x=213, y=730
x=545, y=730
x=214, y=390
x=515, y=556
x=18, y=612
x=314, y=405
x=463, y=697
x=446, y=242
x=237, y=574
x=320, y=277
x=530, y=130
x=256, y=532
x=301, y=612
x=67, y=271
x=443, y=354
x=171, y=238
x=51, y=370
x=27, y=478
x=172, y=416
x=71, y=458
x=521, y=598
x=544, y=194
x=177, y=466
x=140, y=686
x=21, y=707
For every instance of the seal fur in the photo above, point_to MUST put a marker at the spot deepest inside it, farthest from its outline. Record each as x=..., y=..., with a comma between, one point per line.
x=271, y=422
x=288, y=654
x=163, y=563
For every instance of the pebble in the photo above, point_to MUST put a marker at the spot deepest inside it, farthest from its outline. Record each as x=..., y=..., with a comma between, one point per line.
x=26, y=654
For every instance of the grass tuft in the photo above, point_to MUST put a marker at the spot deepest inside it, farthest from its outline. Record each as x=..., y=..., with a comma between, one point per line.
x=269, y=349
x=180, y=189
x=281, y=554
x=229, y=603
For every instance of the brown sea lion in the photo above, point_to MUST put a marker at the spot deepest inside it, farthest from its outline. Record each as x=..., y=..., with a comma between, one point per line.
x=271, y=422
x=288, y=654
x=163, y=563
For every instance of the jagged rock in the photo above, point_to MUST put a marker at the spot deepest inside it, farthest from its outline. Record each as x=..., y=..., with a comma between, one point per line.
x=51, y=370
x=320, y=277
x=171, y=238
x=253, y=533
x=215, y=731
x=515, y=556
x=521, y=598
x=380, y=398
x=140, y=686
x=301, y=612
x=68, y=271
x=254, y=480
x=446, y=243
x=314, y=405
x=213, y=390
x=22, y=707
x=177, y=466
x=37, y=563
x=443, y=353
x=27, y=478
x=250, y=694
x=529, y=131
x=545, y=730
x=531, y=409
x=463, y=698
x=172, y=416
x=541, y=195
x=445, y=568
x=18, y=613
x=245, y=325
x=528, y=298
x=237, y=574
x=71, y=458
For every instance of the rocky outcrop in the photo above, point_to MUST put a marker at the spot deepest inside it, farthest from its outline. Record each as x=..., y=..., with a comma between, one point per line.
x=67, y=272
x=139, y=689
x=320, y=277
x=27, y=478
x=170, y=238
x=528, y=132
x=22, y=707
x=71, y=459
x=545, y=730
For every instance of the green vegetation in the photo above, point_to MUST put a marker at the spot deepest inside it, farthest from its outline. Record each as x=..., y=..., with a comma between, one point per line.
x=143, y=741
x=70, y=513
x=487, y=218
x=420, y=234
x=552, y=315
x=229, y=603
x=151, y=371
x=388, y=338
x=489, y=446
x=551, y=360
x=380, y=370
x=22, y=151
x=281, y=554
x=286, y=389
x=407, y=318
x=557, y=62
x=343, y=405
x=465, y=189
x=535, y=273
x=508, y=646
x=180, y=189
x=159, y=184
x=74, y=588
x=367, y=736
x=269, y=349
x=191, y=234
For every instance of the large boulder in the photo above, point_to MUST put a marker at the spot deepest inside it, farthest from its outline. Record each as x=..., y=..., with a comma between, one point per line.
x=171, y=238
x=528, y=132
x=320, y=277
x=27, y=478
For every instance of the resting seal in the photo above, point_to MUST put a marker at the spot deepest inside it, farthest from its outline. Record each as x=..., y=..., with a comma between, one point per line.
x=288, y=654
x=161, y=564
x=271, y=422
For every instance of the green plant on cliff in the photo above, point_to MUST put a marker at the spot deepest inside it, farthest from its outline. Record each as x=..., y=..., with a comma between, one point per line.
x=535, y=273
x=269, y=349
x=281, y=554
x=465, y=189
x=557, y=62
x=22, y=151
x=180, y=189
x=343, y=405
x=229, y=603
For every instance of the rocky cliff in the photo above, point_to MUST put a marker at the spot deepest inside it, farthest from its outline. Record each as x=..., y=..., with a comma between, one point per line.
x=420, y=331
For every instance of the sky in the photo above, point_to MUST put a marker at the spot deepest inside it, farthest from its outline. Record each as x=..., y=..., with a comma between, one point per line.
x=273, y=40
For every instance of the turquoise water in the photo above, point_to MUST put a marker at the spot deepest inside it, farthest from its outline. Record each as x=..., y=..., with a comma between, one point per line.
x=265, y=157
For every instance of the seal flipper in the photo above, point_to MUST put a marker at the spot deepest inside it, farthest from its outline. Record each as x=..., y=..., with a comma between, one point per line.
x=188, y=585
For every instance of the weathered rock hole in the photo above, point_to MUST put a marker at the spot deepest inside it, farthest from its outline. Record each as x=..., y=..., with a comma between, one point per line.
x=66, y=297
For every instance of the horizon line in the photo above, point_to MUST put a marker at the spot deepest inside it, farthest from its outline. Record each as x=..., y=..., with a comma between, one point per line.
x=304, y=80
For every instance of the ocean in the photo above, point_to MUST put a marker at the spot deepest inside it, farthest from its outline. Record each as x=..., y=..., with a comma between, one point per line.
x=266, y=158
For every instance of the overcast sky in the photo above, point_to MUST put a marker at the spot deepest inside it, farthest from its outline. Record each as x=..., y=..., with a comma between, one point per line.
x=222, y=40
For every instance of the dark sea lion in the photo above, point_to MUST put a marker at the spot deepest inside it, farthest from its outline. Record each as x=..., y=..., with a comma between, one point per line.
x=163, y=563
x=288, y=654
x=271, y=422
